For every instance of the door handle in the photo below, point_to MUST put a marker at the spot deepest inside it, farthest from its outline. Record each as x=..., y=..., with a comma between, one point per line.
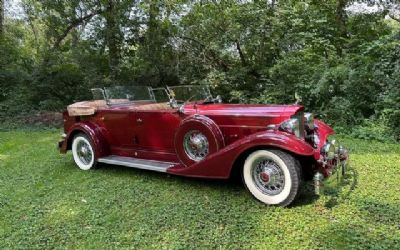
x=138, y=120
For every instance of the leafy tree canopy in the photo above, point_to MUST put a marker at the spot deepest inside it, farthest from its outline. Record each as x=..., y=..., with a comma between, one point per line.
x=341, y=57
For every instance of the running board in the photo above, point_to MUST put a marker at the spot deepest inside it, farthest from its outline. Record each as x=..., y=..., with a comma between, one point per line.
x=159, y=166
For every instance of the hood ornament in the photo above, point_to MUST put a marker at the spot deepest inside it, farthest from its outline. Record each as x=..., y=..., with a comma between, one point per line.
x=297, y=97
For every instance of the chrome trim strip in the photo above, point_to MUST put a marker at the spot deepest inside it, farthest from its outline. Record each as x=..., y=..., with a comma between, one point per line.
x=158, y=166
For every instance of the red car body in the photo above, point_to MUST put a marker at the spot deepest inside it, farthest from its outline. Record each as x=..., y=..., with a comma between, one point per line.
x=149, y=134
x=273, y=145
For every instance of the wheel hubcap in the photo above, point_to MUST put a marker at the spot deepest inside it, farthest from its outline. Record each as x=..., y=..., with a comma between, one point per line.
x=264, y=177
x=84, y=152
x=195, y=145
x=268, y=176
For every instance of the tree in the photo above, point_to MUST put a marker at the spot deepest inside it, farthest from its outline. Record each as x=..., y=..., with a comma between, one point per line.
x=1, y=17
x=341, y=62
x=113, y=37
x=341, y=25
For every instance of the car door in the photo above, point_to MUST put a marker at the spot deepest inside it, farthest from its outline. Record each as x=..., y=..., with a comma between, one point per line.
x=120, y=129
x=155, y=129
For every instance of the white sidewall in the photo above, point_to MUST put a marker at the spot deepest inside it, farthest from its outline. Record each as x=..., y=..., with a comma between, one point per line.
x=78, y=161
x=248, y=179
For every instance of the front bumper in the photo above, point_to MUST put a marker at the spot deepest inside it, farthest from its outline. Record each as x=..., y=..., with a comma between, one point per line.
x=331, y=170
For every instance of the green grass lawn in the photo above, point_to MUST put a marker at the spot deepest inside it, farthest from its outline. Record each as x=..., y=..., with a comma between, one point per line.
x=46, y=202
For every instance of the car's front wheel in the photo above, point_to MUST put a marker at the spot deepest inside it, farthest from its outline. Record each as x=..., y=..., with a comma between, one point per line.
x=83, y=152
x=272, y=176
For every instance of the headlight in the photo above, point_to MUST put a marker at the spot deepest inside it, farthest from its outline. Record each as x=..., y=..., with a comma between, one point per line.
x=309, y=121
x=292, y=126
x=336, y=145
x=328, y=150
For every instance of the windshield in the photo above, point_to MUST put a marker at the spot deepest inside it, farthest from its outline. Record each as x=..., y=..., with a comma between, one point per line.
x=123, y=94
x=189, y=93
x=176, y=95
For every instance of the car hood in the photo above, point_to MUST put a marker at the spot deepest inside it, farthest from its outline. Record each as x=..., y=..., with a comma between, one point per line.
x=256, y=110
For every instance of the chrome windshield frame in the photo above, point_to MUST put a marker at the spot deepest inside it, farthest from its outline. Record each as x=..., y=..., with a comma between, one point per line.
x=172, y=96
x=104, y=94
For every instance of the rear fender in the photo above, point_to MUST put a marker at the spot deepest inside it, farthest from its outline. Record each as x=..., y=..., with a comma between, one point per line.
x=219, y=164
x=95, y=133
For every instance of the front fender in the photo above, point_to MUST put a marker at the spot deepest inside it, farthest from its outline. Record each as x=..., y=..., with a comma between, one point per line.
x=219, y=164
x=95, y=133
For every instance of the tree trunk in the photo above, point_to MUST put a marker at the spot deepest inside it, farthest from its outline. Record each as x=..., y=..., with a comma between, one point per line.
x=1, y=17
x=74, y=31
x=153, y=14
x=341, y=25
x=72, y=25
x=113, y=38
x=154, y=40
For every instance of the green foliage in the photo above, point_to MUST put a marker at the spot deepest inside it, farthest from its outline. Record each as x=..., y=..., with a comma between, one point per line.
x=53, y=204
x=59, y=85
x=372, y=130
x=343, y=65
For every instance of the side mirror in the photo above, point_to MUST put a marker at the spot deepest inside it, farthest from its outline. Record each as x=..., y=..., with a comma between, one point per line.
x=218, y=99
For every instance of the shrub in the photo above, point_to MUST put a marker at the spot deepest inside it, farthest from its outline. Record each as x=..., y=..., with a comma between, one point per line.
x=373, y=130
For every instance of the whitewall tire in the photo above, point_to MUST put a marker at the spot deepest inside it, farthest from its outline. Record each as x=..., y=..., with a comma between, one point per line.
x=83, y=152
x=272, y=176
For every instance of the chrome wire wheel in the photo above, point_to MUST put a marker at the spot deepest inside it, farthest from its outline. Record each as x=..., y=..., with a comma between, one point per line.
x=272, y=176
x=195, y=145
x=83, y=152
x=268, y=176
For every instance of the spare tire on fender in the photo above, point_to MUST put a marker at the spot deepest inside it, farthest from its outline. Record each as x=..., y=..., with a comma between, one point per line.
x=197, y=137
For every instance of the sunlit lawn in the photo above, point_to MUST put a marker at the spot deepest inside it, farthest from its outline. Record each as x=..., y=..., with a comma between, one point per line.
x=46, y=202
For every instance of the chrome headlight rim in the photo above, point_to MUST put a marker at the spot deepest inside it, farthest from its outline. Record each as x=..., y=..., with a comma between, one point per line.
x=336, y=145
x=309, y=121
x=292, y=126
x=328, y=151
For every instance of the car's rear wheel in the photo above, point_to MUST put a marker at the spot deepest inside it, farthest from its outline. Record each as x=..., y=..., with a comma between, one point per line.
x=272, y=176
x=83, y=152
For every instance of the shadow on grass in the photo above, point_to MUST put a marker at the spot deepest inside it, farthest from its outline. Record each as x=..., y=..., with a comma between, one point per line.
x=349, y=181
x=381, y=213
x=345, y=235
x=306, y=196
x=234, y=185
x=217, y=183
x=349, y=233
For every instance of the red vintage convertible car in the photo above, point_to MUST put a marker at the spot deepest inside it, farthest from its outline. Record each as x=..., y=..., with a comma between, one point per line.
x=184, y=130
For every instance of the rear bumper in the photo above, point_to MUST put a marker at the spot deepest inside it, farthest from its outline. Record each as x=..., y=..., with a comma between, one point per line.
x=62, y=144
